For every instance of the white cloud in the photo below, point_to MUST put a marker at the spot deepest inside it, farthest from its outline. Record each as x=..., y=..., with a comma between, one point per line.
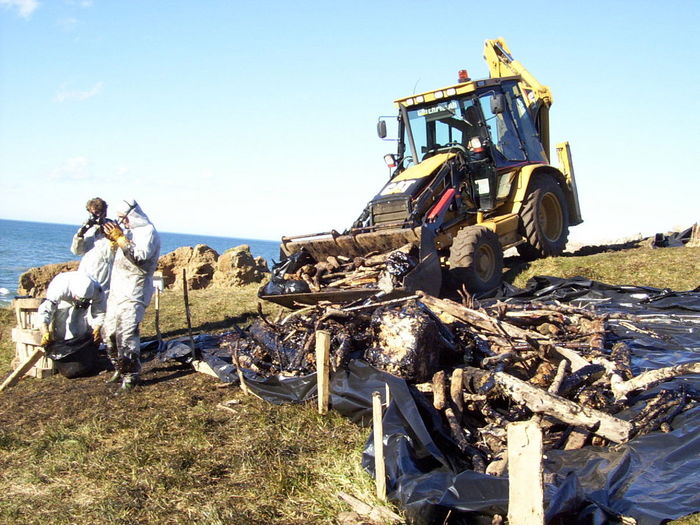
x=76, y=95
x=75, y=168
x=25, y=8
x=68, y=24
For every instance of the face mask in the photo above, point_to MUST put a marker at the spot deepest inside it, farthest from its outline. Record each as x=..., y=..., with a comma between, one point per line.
x=122, y=216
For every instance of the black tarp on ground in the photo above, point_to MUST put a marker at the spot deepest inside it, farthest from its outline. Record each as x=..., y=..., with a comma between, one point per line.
x=277, y=390
x=651, y=478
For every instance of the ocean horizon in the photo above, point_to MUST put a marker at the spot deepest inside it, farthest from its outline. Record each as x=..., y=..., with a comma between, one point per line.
x=25, y=245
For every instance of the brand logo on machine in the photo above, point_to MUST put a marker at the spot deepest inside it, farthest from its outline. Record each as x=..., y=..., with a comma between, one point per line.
x=397, y=187
x=446, y=107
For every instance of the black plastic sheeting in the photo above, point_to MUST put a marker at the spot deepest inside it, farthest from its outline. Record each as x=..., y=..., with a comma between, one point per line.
x=277, y=390
x=651, y=478
x=671, y=240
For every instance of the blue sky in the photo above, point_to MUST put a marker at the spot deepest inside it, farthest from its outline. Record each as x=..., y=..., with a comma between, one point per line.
x=257, y=119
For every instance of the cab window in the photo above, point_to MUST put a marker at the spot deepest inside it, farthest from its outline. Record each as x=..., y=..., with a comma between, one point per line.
x=504, y=135
x=526, y=126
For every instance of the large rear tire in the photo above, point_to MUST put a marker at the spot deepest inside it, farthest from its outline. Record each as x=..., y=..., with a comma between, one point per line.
x=476, y=259
x=544, y=219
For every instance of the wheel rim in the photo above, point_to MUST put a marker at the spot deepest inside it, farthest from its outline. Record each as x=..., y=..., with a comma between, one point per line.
x=550, y=217
x=485, y=263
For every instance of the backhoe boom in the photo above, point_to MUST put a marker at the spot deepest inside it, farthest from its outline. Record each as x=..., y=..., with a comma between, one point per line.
x=538, y=96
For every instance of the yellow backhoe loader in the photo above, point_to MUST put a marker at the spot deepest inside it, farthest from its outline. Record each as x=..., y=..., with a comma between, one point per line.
x=472, y=178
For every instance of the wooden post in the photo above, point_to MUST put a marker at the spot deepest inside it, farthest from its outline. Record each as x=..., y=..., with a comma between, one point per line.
x=187, y=310
x=23, y=368
x=525, y=490
x=241, y=379
x=158, y=285
x=378, y=428
x=323, y=346
x=694, y=240
x=387, y=397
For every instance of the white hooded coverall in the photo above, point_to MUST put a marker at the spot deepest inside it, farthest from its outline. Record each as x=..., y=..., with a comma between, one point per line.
x=60, y=306
x=97, y=255
x=131, y=290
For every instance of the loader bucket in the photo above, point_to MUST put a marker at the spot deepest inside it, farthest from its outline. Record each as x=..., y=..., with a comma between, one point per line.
x=297, y=300
x=353, y=244
x=425, y=276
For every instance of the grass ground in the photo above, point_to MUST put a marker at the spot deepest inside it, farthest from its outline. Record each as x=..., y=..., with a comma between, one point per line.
x=674, y=268
x=72, y=452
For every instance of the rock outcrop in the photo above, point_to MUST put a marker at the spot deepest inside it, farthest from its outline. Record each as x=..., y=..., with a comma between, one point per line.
x=35, y=281
x=203, y=267
x=238, y=267
x=199, y=264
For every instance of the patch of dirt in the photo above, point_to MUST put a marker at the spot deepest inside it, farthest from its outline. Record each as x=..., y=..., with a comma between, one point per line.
x=33, y=402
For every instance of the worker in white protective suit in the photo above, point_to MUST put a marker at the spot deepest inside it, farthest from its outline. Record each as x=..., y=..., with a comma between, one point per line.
x=131, y=289
x=72, y=313
x=90, y=242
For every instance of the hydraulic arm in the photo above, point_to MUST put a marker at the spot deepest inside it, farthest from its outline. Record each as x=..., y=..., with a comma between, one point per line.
x=539, y=98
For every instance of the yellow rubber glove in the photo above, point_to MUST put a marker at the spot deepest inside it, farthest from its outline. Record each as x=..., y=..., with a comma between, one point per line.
x=46, y=339
x=97, y=334
x=112, y=231
x=122, y=242
x=46, y=335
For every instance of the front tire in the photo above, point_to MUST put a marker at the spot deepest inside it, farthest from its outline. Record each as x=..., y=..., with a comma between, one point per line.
x=476, y=259
x=544, y=219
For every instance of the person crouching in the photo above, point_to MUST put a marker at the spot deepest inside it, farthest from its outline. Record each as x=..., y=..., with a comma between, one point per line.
x=71, y=319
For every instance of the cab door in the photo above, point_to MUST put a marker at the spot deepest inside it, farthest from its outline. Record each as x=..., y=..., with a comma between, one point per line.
x=506, y=146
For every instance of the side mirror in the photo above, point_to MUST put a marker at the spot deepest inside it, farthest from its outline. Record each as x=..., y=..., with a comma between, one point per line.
x=498, y=104
x=381, y=129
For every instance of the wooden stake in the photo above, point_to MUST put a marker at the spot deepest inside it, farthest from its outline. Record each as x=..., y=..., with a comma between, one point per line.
x=157, y=321
x=187, y=310
x=158, y=285
x=23, y=368
x=525, y=490
x=241, y=379
x=378, y=428
x=323, y=346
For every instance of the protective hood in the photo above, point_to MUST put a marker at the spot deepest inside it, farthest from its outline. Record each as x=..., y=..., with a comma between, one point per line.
x=133, y=211
x=81, y=286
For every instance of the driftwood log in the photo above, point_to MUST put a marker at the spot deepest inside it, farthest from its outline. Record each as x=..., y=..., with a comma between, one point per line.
x=542, y=402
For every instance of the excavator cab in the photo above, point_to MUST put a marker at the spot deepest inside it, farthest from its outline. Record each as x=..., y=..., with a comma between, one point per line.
x=490, y=128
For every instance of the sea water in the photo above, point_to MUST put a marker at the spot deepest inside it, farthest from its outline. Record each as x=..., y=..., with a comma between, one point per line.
x=25, y=245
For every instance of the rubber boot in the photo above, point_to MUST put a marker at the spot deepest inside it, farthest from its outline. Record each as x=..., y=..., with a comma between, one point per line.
x=129, y=383
x=114, y=378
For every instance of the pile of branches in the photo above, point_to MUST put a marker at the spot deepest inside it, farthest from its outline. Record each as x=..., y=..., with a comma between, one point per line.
x=552, y=363
x=507, y=362
x=287, y=346
x=374, y=270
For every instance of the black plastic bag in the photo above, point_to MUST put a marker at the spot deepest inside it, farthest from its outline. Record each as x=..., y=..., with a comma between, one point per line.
x=278, y=285
x=75, y=357
x=282, y=286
